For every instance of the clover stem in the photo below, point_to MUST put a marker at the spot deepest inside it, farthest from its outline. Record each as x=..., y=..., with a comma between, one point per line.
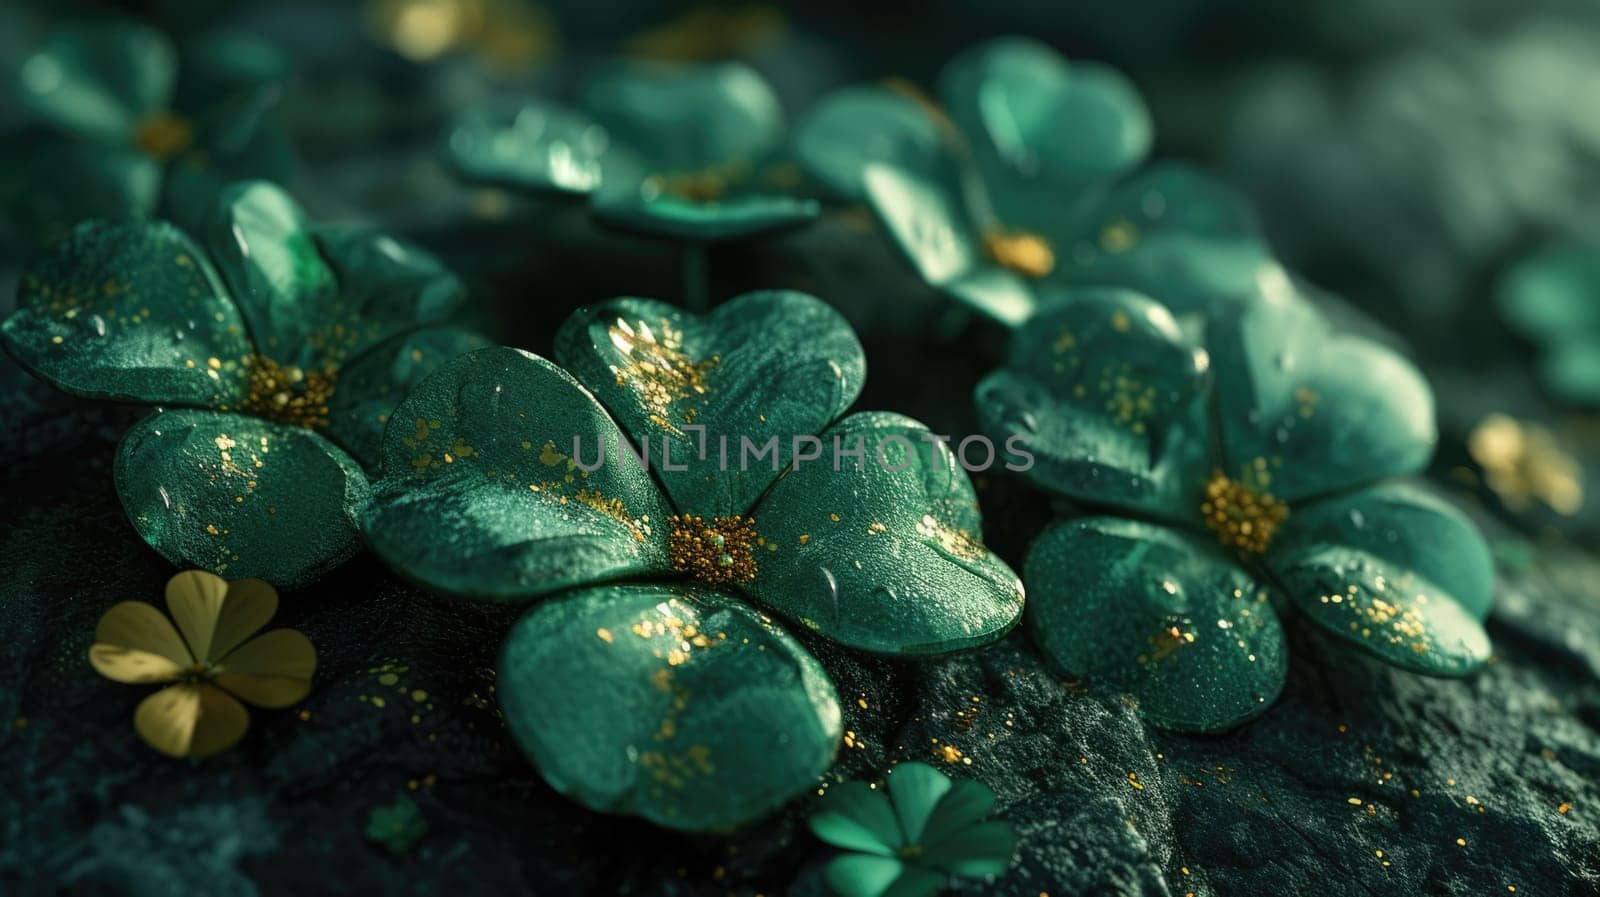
x=695, y=287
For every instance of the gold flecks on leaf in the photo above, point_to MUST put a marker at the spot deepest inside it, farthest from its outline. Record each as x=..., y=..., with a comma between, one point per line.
x=1242, y=518
x=956, y=542
x=1524, y=463
x=1026, y=253
x=209, y=657
x=288, y=394
x=163, y=135
x=658, y=370
x=717, y=551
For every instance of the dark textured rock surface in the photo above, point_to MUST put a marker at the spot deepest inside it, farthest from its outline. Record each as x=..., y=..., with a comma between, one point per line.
x=1356, y=759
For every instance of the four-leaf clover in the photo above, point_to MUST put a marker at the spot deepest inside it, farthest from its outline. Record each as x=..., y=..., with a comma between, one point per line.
x=1276, y=441
x=909, y=841
x=269, y=375
x=213, y=660
x=648, y=683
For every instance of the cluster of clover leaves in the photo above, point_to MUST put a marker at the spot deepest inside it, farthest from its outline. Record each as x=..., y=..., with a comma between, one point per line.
x=1223, y=453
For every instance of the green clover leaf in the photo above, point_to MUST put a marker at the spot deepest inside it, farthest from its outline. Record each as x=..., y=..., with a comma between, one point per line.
x=985, y=195
x=504, y=478
x=1110, y=396
x=1043, y=130
x=123, y=139
x=910, y=837
x=1279, y=454
x=679, y=704
x=272, y=371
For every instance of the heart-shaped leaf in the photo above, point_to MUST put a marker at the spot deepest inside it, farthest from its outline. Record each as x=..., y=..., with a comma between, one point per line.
x=1106, y=393
x=533, y=147
x=858, y=126
x=285, y=289
x=480, y=494
x=1160, y=615
x=1177, y=235
x=240, y=496
x=1395, y=571
x=683, y=706
x=100, y=79
x=929, y=223
x=684, y=118
x=374, y=382
x=1041, y=127
x=886, y=556
x=236, y=140
x=760, y=370
x=1305, y=411
x=133, y=312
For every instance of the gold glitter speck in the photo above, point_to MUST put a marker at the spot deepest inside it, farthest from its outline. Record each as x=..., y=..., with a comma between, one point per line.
x=1241, y=517
x=717, y=551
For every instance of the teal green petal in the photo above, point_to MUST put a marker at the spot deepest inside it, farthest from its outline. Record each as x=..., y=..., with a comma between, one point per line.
x=1305, y=411
x=50, y=182
x=887, y=557
x=1395, y=571
x=863, y=125
x=966, y=804
x=240, y=496
x=996, y=292
x=99, y=80
x=286, y=291
x=928, y=223
x=1550, y=294
x=371, y=385
x=735, y=217
x=976, y=852
x=1177, y=235
x=1108, y=395
x=479, y=494
x=859, y=875
x=771, y=364
x=131, y=312
x=1042, y=127
x=535, y=147
x=387, y=285
x=915, y=789
x=684, y=118
x=1157, y=614
x=856, y=816
x=682, y=706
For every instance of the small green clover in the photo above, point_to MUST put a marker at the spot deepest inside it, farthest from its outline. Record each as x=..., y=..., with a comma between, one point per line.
x=675, y=151
x=274, y=355
x=397, y=826
x=116, y=136
x=1017, y=183
x=1275, y=438
x=651, y=680
x=1552, y=297
x=910, y=841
